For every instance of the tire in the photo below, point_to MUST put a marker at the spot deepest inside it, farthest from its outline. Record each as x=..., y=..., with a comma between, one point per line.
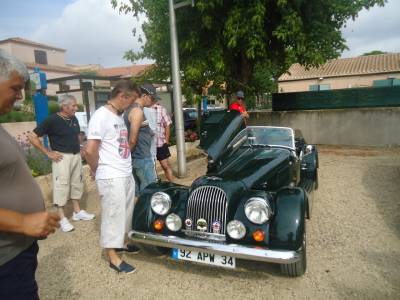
x=155, y=250
x=297, y=268
x=316, y=179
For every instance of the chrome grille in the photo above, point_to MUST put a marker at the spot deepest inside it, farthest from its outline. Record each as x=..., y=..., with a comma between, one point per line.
x=208, y=203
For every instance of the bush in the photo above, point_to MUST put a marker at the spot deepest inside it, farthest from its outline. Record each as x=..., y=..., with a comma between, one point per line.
x=53, y=107
x=36, y=160
x=17, y=116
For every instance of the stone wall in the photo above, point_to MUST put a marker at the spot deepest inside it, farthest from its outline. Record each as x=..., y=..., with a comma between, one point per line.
x=353, y=127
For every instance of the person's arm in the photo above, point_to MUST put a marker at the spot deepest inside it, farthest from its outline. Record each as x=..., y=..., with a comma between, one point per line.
x=35, y=141
x=167, y=133
x=167, y=125
x=135, y=118
x=92, y=154
x=39, y=224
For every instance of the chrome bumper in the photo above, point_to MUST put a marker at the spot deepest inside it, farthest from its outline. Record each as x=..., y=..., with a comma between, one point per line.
x=235, y=250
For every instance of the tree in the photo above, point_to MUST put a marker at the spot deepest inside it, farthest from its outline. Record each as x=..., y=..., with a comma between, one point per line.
x=373, y=52
x=245, y=44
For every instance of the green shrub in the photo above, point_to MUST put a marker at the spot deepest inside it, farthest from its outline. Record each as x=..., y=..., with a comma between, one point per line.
x=81, y=107
x=37, y=162
x=17, y=116
x=53, y=107
x=52, y=98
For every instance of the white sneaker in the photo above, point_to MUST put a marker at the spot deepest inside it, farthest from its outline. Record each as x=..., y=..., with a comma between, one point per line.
x=65, y=225
x=82, y=215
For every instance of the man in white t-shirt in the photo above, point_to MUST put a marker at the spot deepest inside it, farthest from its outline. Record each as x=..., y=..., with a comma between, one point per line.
x=109, y=158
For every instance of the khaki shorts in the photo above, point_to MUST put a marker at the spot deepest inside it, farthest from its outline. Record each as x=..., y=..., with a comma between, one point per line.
x=117, y=196
x=67, y=179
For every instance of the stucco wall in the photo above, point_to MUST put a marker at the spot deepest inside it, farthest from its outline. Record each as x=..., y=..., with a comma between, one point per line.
x=26, y=54
x=356, y=127
x=334, y=82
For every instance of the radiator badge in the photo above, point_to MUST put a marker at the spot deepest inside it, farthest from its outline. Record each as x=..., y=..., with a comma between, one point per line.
x=216, y=227
x=201, y=225
x=188, y=223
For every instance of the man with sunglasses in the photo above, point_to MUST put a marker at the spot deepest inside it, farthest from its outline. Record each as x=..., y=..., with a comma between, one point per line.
x=240, y=106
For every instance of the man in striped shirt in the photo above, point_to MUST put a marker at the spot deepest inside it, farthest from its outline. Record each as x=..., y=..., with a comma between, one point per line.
x=162, y=135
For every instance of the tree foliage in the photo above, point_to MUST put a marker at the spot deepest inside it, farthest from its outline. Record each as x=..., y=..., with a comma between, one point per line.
x=246, y=44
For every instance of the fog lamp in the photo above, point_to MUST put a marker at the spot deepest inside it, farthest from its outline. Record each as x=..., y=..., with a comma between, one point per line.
x=158, y=225
x=258, y=235
x=236, y=229
x=173, y=222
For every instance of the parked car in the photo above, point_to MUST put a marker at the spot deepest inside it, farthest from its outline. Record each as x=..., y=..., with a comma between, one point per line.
x=252, y=204
x=190, y=118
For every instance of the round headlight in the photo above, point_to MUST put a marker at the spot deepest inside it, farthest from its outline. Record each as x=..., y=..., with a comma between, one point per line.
x=257, y=210
x=173, y=222
x=160, y=203
x=236, y=229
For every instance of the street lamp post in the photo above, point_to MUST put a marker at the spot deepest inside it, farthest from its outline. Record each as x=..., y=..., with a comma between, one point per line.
x=177, y=94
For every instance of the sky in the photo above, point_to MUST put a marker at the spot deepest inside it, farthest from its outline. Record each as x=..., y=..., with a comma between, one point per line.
x=93, y=32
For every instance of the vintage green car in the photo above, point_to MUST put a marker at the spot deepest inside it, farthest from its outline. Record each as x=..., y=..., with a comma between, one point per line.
x=252, y=204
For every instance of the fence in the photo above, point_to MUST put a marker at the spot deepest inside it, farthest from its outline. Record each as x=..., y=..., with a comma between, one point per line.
x=334, y=99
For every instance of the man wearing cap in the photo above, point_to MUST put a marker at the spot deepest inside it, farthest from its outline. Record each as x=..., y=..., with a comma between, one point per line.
x=240, y=106
x=141, y=137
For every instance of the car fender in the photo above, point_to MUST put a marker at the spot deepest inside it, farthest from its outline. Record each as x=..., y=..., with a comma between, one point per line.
x=288, y=224
x=143, y=216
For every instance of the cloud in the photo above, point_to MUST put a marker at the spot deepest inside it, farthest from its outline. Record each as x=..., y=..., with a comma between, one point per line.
x=92, y=32
x=374, y=29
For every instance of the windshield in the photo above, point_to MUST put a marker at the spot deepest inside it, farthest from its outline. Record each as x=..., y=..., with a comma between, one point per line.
x=264, y=136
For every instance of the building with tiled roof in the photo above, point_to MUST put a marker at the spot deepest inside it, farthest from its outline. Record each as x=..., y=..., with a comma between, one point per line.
x=124, y=72
x=362, y=71
x=49, y=59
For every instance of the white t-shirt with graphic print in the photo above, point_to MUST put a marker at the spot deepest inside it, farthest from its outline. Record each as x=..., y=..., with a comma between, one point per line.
x=114, y=153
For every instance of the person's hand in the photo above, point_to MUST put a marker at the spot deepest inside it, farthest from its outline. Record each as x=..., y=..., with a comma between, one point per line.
x=245, y=114
x=54, y=155
x=40, y=224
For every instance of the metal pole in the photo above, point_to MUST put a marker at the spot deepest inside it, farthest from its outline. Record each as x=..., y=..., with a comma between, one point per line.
x=176, y=82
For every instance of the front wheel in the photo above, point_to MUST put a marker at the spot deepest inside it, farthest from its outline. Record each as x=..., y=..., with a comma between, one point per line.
x=299, y=267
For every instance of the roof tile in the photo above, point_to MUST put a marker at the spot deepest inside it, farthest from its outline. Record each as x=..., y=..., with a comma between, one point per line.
x=370, y=64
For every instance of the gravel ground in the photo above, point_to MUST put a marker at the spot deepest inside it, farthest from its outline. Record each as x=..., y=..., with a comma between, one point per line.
x=353, y=247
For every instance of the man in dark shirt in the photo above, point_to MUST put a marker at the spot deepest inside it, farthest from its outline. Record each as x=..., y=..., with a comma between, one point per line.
x=62, y=128
x=22, y=215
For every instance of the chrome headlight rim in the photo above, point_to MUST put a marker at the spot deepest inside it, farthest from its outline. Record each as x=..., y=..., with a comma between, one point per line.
x=173, y=219
x=167, y=202
x=260, y=201
x=238, y=225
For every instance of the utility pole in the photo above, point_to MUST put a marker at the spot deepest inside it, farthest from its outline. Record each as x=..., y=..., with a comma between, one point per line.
x=177, y=94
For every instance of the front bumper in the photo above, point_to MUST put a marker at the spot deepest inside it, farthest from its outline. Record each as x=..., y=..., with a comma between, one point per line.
x=239, y=251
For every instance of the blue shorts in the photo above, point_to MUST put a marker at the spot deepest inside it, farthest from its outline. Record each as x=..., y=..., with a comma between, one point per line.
x=17, y=276
x=144, y=173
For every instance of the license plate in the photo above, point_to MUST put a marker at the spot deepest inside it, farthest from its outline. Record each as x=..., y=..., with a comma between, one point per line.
x=204, y=258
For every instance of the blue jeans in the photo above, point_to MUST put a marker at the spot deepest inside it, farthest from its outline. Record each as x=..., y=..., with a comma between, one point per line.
x=144, y=173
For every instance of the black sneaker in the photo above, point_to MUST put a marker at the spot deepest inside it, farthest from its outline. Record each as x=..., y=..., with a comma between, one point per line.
x=132, y=249
x=123, y=268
